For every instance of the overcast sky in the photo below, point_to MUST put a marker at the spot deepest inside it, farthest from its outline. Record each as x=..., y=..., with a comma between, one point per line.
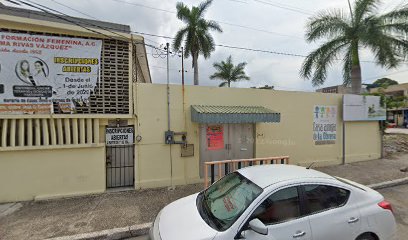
x=281, y=27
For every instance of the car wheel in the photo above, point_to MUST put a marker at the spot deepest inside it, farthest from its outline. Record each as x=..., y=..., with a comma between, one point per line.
x=366, y=236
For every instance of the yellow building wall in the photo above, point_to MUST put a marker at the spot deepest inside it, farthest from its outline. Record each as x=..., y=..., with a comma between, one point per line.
x=48, y=173
x=28, y=173
x=293, y=136
x=363, y=141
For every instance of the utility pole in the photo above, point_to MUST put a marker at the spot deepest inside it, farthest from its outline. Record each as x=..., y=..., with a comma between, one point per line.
x=183, y=89
x=168, y=87
x=168, y=115
x=182, y=66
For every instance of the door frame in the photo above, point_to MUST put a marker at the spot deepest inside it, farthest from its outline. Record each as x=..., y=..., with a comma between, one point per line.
x=129, y=170
x=227, y=141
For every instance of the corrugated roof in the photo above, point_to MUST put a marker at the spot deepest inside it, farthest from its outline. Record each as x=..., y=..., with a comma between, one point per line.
x=232, y=109
x=232, y=114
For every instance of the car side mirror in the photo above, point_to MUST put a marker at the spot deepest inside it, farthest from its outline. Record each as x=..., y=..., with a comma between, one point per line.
x=257, y=226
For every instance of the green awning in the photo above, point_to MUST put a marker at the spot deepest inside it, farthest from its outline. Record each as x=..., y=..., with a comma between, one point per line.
x=233, y=114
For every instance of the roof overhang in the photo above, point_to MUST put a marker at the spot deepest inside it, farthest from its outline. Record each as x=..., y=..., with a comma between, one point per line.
x=233, y=114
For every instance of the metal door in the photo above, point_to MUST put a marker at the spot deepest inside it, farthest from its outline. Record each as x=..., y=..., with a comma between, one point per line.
x=212, y=152
x=241, y=140
x=238, y=143
x=120, y=166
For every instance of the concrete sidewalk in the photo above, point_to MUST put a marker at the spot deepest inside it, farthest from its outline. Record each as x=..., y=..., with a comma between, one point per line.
x=64, y=217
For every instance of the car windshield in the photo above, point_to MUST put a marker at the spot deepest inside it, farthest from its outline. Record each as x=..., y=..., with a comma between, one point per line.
x=224, y=202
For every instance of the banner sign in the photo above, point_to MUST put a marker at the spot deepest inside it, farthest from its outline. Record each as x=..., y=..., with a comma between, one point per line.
x=119, y=136
x=215, y=137
x=37, y=70
x=324, y=124
x=363, y=108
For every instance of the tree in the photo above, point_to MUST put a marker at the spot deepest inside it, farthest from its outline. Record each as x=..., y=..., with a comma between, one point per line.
x=385, y=82
x=390, y=102
x=228, y=72
x=196, y=33
x=347, y=34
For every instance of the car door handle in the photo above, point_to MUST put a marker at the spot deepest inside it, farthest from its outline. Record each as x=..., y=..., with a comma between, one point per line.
x=353, y=220
x=299, y=234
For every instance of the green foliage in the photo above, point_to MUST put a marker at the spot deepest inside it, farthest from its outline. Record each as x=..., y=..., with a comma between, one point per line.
x=228, y=72
x=390, y=102
x=346, y=34
x=195, y=35
x=385, y=82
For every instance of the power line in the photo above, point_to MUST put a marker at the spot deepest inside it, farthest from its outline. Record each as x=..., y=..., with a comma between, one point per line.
x=220, y=22
x=260, y=50
x=293, y=9
x=384, y=75
x=167, y=37
x=87, y=15
x=145, y=6
x=247, y=49
x=233, y=47
x=60, y=17
x=73, y=21
x=164, y=68
x=259, y=30
x=41, y=8
x=290, y=6
x=238, y=1
x=73, y=9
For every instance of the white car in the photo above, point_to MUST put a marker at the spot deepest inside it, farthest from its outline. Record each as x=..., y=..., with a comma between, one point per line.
x=278, y=202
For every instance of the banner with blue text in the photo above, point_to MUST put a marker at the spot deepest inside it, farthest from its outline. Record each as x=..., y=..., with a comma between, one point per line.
x=37, y=71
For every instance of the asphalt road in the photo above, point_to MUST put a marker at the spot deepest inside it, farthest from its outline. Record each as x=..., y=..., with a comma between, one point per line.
x=398, y=196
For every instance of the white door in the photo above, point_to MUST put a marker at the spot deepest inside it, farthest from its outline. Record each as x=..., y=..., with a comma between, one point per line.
x=330, y=216
x=281, y=213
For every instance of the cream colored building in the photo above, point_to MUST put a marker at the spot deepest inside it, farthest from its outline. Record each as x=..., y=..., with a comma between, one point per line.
x=292, y=136
x=394, y=90
x=52, y=155
x=59, y=155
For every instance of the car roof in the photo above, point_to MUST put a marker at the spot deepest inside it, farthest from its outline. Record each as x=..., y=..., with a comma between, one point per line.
x=266, y=175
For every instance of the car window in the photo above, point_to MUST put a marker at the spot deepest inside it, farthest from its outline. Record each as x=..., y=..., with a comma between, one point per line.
x=348, y=182
x=322, y=197
x=281, y=206
x=228, y=198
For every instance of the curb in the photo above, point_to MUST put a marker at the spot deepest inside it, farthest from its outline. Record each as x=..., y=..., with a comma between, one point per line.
x=143, y=229
x=388, y=184
x=111, y=234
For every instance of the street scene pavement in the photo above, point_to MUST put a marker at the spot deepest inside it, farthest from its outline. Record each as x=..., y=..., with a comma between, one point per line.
x=398, y=196
x=71, y=216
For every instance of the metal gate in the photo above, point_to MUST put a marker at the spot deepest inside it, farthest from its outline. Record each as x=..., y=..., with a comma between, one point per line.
x=120, y=166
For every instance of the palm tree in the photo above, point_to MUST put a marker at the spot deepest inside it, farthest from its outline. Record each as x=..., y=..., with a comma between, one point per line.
x=196, y=33
x=228, y=72
x=347, y=34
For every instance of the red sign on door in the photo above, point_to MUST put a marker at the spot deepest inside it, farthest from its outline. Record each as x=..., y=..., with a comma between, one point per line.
x=215, y=137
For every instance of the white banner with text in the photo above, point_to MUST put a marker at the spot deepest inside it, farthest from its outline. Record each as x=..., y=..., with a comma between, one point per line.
x=36, y=71
x=119, y=136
